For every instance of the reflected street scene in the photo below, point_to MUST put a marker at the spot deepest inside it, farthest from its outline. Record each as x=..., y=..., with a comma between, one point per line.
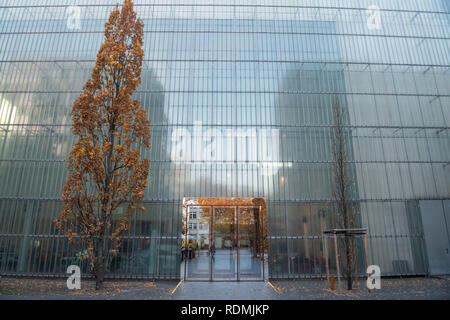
x=222, y=243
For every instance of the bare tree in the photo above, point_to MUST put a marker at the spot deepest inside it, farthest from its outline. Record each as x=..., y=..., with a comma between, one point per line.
x=344, y=204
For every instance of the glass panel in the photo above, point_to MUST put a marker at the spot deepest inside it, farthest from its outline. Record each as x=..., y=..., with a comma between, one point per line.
x=250, y=248
x=195, y=250
x=224, y=244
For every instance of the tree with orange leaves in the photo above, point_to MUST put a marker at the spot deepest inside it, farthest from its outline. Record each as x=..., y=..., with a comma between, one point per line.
x=107, y=178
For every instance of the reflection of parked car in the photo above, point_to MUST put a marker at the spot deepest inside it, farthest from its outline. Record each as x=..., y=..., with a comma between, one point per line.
x=10, y=257
x=84, y=263
x=75, y=260
x=168, y=254
x=308, y=265
x=143, y=261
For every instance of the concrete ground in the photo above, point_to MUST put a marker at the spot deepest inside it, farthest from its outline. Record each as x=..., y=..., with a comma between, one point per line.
x=392, y=289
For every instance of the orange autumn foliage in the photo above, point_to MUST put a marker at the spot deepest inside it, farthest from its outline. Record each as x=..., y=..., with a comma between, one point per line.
x=226, y=202
x=105, y=169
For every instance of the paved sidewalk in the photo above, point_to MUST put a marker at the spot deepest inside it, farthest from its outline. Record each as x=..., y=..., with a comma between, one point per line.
x=395, y=289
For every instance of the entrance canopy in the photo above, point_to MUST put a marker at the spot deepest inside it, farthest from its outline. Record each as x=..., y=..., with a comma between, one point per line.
x=225, y=201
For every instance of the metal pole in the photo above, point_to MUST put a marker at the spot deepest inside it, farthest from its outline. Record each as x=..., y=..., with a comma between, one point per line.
x=367, y=256
x=325, y=246
x=365, y=250
x=262, y=239
x=237, y=212
x=211, y=233
x=186, y=211
x=337, y=260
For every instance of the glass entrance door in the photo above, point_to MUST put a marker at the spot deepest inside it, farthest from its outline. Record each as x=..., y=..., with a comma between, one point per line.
x=250, y=249
x=195, y=249
x=222, y=243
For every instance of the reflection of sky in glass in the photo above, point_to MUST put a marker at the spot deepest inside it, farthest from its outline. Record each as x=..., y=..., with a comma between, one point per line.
x=240, y=67
x=224, y=69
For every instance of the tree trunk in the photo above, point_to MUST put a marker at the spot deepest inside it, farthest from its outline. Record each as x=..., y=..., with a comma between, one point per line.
x=349, y=270
x=99, y=277
x=348, y=250
x=100, y=269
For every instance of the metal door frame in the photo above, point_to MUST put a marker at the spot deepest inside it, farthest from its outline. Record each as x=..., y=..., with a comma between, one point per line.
x=236, y=236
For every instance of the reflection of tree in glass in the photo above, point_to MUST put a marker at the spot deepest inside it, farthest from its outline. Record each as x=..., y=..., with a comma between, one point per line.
x=246, y=218
x=33, y=127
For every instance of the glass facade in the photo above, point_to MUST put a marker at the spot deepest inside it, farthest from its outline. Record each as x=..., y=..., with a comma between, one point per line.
x=239, y=95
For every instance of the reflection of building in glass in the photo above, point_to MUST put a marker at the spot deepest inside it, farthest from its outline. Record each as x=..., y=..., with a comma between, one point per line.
x=198, y=227
x=253, y=86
